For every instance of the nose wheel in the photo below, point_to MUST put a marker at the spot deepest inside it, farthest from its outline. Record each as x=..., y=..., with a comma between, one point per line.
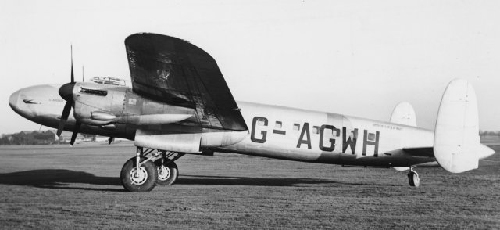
x=413, y=178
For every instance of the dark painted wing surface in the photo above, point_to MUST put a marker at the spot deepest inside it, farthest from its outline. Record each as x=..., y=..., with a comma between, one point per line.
x=176, y=72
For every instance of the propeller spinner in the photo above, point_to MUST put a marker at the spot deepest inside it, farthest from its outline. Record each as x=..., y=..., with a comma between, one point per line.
x=66, y=93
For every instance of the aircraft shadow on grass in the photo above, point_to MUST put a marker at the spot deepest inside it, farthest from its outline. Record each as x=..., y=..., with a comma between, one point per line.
x=63, y=179
x=259, y=181
x=58, y=179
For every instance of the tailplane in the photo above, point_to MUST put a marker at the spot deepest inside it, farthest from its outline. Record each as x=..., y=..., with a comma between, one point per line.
x=456, y=137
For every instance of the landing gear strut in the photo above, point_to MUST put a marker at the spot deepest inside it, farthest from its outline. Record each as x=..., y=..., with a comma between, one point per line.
x=413, y=178
x=148, y=168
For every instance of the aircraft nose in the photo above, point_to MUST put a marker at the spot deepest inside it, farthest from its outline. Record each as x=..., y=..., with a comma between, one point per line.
x=13, y=99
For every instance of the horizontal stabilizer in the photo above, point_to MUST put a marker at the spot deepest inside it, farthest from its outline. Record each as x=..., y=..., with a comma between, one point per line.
x=456, y=138
x=404, y=114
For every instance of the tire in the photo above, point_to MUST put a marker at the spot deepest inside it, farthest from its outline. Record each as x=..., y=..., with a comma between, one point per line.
x=167, y=174
x=414, y=179
x=144, y=182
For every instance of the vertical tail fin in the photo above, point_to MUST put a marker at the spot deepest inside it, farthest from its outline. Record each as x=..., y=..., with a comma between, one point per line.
x=404, y=114
x=456, y=137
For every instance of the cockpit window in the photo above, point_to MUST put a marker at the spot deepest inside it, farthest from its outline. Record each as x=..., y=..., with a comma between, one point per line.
x=29, y=101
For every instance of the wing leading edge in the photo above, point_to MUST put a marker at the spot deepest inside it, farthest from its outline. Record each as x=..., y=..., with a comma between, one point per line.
x=173, y=71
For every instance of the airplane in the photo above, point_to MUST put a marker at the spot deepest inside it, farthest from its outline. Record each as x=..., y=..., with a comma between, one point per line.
x=179, y=103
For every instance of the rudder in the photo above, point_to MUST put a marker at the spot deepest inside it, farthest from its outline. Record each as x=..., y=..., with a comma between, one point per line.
x=456, y=135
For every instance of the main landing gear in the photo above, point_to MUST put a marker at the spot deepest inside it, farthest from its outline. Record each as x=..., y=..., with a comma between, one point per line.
x=413, y=178
x=148, y=168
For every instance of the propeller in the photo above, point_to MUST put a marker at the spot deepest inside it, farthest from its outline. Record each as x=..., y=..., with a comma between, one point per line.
x=66, y=92
x=75, y=132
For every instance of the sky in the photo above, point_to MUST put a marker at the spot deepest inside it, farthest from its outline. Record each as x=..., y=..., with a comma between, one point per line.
x=358, y=58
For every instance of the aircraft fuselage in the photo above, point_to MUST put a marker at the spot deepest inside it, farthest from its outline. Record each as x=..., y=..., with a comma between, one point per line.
x=303, y=135
x=274, y=131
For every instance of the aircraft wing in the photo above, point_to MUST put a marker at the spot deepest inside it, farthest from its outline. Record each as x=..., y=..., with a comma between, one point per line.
x=175, y=72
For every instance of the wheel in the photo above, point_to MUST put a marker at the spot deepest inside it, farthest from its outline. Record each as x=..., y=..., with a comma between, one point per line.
x=414, y=179
x=142, y=180
x=167, y=173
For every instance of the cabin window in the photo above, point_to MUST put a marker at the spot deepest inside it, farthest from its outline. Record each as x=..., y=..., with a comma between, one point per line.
x=278, y=125
x=296, y=127
x=315, y=129
x=371, y=137
x=261, y=122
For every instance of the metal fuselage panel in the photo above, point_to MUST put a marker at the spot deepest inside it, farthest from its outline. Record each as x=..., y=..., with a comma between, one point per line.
x=288, y=133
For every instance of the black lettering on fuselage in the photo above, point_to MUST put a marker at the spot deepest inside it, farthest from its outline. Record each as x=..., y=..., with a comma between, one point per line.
x=368, y=142
x=322, y=129
x=263, y=134
x=305, y=132
x=349, y=142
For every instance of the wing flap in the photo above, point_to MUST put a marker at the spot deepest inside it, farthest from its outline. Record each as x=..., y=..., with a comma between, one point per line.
x=177, y=142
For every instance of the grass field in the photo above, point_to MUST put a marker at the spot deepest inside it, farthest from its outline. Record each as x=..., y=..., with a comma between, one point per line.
x=61, y=187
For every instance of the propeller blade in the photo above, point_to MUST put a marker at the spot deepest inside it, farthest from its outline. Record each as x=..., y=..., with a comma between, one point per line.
x=66, y=92
x=75, y=132
x=72, y=76
x=64, y=117
x=66, y=111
